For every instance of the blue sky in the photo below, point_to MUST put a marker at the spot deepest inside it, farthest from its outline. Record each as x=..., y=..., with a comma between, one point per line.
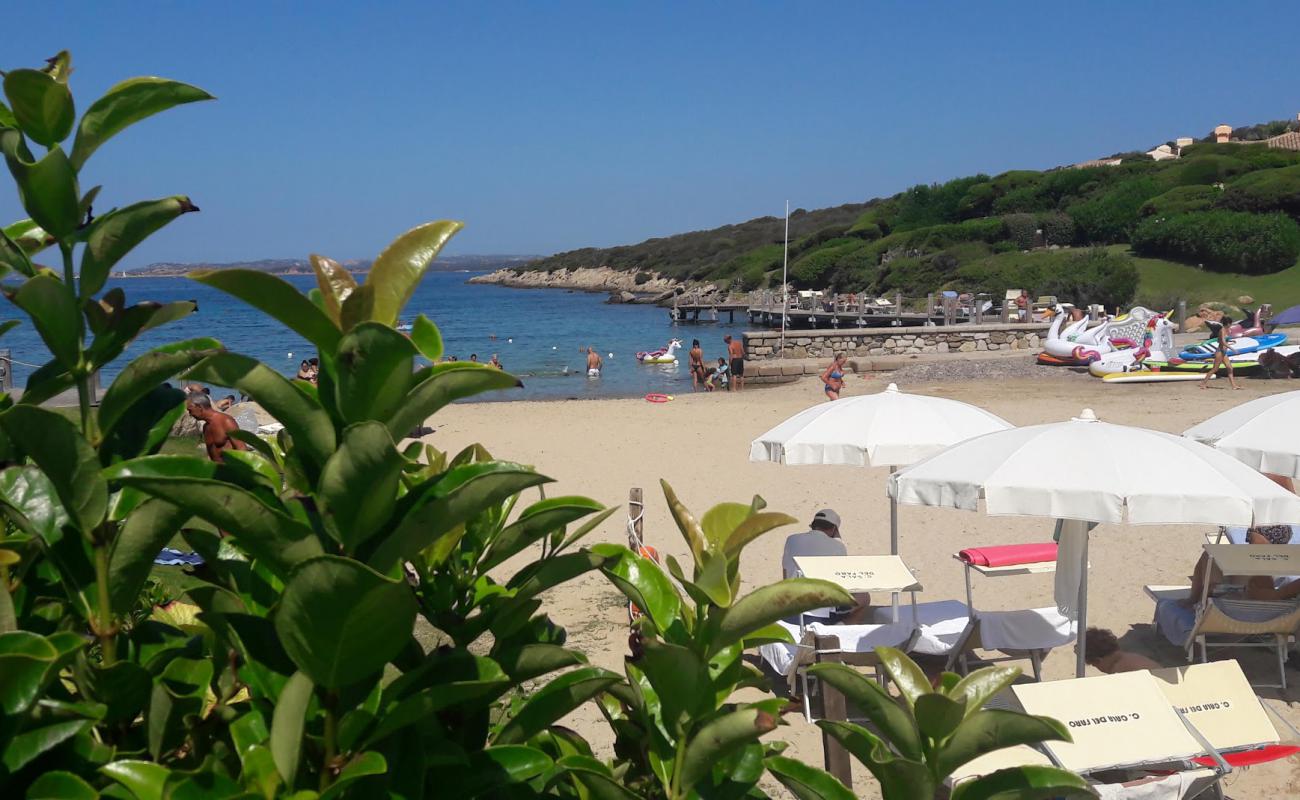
x=553, y=125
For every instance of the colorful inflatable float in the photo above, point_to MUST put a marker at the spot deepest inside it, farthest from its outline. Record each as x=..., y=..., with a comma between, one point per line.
x=1078, y=345
x=664, y=355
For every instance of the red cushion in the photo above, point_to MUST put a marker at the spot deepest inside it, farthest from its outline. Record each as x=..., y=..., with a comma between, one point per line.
x=1247, y=758
x=1008, y=554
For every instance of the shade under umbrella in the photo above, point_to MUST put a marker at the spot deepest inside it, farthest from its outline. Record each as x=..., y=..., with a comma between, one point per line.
x=1088, y=471
x=1261, y=433
x=886, y=429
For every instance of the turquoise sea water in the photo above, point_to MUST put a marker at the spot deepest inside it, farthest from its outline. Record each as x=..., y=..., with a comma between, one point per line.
x=539, y=334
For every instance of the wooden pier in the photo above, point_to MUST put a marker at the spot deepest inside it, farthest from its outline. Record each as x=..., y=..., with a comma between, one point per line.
x=764, y=309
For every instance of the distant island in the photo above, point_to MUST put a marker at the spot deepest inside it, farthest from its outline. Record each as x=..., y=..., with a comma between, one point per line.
x=301, y=266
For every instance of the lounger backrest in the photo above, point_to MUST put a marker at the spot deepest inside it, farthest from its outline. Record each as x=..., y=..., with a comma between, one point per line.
x=1247, y=617
x=860, y=573
x=1256, y=559
x=1121, y=720
x=1218, y=700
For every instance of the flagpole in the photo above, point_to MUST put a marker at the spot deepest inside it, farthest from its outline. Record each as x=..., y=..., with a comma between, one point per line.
x=785, y=282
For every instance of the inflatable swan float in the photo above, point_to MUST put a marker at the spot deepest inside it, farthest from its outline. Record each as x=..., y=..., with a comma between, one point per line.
x=664, y=355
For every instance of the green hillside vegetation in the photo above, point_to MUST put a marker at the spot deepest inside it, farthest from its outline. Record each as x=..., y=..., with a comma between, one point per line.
x=1222, y=216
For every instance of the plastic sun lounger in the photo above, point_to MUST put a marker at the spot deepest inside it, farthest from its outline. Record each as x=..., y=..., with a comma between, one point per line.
x=1240, y=619
x=1125, y=724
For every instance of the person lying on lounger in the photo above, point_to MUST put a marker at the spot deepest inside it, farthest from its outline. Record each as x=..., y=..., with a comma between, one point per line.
x=823, y=539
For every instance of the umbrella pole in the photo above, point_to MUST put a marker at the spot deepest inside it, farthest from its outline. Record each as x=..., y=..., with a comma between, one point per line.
x=893, y=535
x=1080, y=642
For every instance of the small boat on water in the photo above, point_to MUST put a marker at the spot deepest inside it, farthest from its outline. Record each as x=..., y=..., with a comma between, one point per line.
x=403, y=327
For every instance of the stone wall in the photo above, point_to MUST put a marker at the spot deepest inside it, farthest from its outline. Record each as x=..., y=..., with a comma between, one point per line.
x=762, y=345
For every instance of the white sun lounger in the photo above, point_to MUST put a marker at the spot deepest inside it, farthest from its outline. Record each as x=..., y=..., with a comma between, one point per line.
x=1124, y=725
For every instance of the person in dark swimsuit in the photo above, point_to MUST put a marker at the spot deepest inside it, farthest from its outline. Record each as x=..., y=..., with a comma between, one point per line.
x=1220, y=331
x=698, y=375
x=833, y=377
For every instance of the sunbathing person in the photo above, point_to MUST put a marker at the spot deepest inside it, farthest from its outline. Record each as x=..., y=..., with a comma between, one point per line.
x=1102, y=650
x=823, y=539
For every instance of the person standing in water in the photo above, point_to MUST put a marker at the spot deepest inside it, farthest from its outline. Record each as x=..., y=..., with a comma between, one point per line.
x=696, y=364
x=736, y=352
x=1220, y=331
x=593, y=363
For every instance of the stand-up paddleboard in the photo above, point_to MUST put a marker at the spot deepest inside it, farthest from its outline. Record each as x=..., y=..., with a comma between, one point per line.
x=1245, y=344
x=1152, y=376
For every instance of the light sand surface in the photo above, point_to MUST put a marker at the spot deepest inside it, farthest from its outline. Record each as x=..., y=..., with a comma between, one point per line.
x=700, y=444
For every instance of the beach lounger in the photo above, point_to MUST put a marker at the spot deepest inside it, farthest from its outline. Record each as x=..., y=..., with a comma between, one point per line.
x=1127, y=736
x=1275, y=622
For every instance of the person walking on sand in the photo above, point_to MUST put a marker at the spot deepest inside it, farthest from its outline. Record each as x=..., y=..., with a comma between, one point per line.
x=736, y=352
x=1220, y=331
x=593, y=363
x=833, y=377
x=217, y=426
x=696, y=364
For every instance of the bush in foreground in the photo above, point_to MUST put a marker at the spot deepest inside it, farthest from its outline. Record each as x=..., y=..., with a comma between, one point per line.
x=1222, y=241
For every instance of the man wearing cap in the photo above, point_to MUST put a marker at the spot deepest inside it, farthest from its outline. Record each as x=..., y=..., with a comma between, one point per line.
x=822, y=539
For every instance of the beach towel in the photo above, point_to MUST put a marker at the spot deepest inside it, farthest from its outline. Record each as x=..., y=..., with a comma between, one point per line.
x=1006, y=555
x=1168, y=787
x=171, y=557
x=941, y=624
x=853, y=639
x=1027, y=629
x=1073, y=542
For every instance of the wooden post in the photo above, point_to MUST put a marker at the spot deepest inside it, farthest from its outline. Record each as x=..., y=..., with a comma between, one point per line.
x=830, y=704
x=1182, y=316
x=929, y=308
x=898, y=304
x=636, y=508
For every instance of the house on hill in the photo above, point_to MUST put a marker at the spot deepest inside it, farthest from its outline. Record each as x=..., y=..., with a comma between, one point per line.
x=1287, y=140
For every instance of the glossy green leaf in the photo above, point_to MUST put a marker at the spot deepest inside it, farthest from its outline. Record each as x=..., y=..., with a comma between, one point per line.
x=907, y=676
x=398, y=269
x=265, y=533
x=336, y=285
x=374, y=373
x=719, y=522
x=308, y=424
x=61, y=785
x=34, y=742
x=686, y=523
x=48, y=189
x=146, y=373
x=41, y=105
x=7, y=118
x=643, y=582
x=753, y=527
x=55, y=315
x=14, y=258
x=359, y=483
x=994, y=729
x=29, y=236
x=937, y=715
x=145, y=428
x=682, y=681
x=979, y=686
x=58, y=448
x=441, y=384
x=534, y=523
x=548, y=704
x=146, y=532
x=762, y=607
x=427, y=338
x=534, y=660
x=889, y=717
x=360, y=766
x=452, y=499
x=125, y=104
x=25, y=659
x=446, y=679
x=278, y=299
x=260, y=775
x=806, y=782
x=1025, y=783
x=8, y=616
x=289, y=723
x=144, y=779
x=123, y=689
x=718, y=739
x=711, y=578
x=340, y=621
x=30, y=493
x=128, y=323
x=117, y=233
x=595, y=777
x=179, y=693
x=488, y=772
x=898, y=777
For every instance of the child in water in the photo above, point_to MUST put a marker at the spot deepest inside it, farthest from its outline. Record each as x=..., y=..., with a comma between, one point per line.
x=721, y=373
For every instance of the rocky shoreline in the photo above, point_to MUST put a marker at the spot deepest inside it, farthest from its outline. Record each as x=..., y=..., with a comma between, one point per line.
x=623, y=285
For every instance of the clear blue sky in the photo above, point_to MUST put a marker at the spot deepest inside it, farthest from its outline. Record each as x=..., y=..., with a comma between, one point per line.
x=553, y=125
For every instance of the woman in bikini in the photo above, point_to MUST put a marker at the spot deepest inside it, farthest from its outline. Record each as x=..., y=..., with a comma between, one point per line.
x=698, y=375
x=1220, y=331
x=833, y=377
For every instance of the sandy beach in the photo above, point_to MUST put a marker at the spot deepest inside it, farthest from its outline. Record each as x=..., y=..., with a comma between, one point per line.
x=700, y=444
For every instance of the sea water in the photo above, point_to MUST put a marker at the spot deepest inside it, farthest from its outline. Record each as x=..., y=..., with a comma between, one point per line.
x=541, y=335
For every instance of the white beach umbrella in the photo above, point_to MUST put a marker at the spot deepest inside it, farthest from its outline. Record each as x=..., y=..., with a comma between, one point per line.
x=886, y=429
x=1261, y=433
x=1087, y=471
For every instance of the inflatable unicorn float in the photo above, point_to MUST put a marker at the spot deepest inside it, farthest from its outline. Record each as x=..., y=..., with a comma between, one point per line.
x=664, y=355
x=1078, y=345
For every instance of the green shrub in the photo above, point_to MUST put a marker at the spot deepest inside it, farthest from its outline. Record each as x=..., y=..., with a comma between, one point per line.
x=977, y=202
x=1026, y=199
x=1092, y=276
x=764, y=258
x=1021, y=229
x=1265, y=191
x=1208, y=169
x=643, y=277
x=1257, y=156
x=869, y=231
x=1181, y=200
x=1111, y=215
x=1058, y=228
x=923, y=206
x=1222, y=241
x=811, y=270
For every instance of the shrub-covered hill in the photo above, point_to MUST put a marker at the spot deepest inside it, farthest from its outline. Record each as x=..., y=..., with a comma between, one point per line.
x=1230, y=208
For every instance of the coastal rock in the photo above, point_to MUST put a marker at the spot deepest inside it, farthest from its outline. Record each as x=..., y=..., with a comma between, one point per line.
x=585, y=279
